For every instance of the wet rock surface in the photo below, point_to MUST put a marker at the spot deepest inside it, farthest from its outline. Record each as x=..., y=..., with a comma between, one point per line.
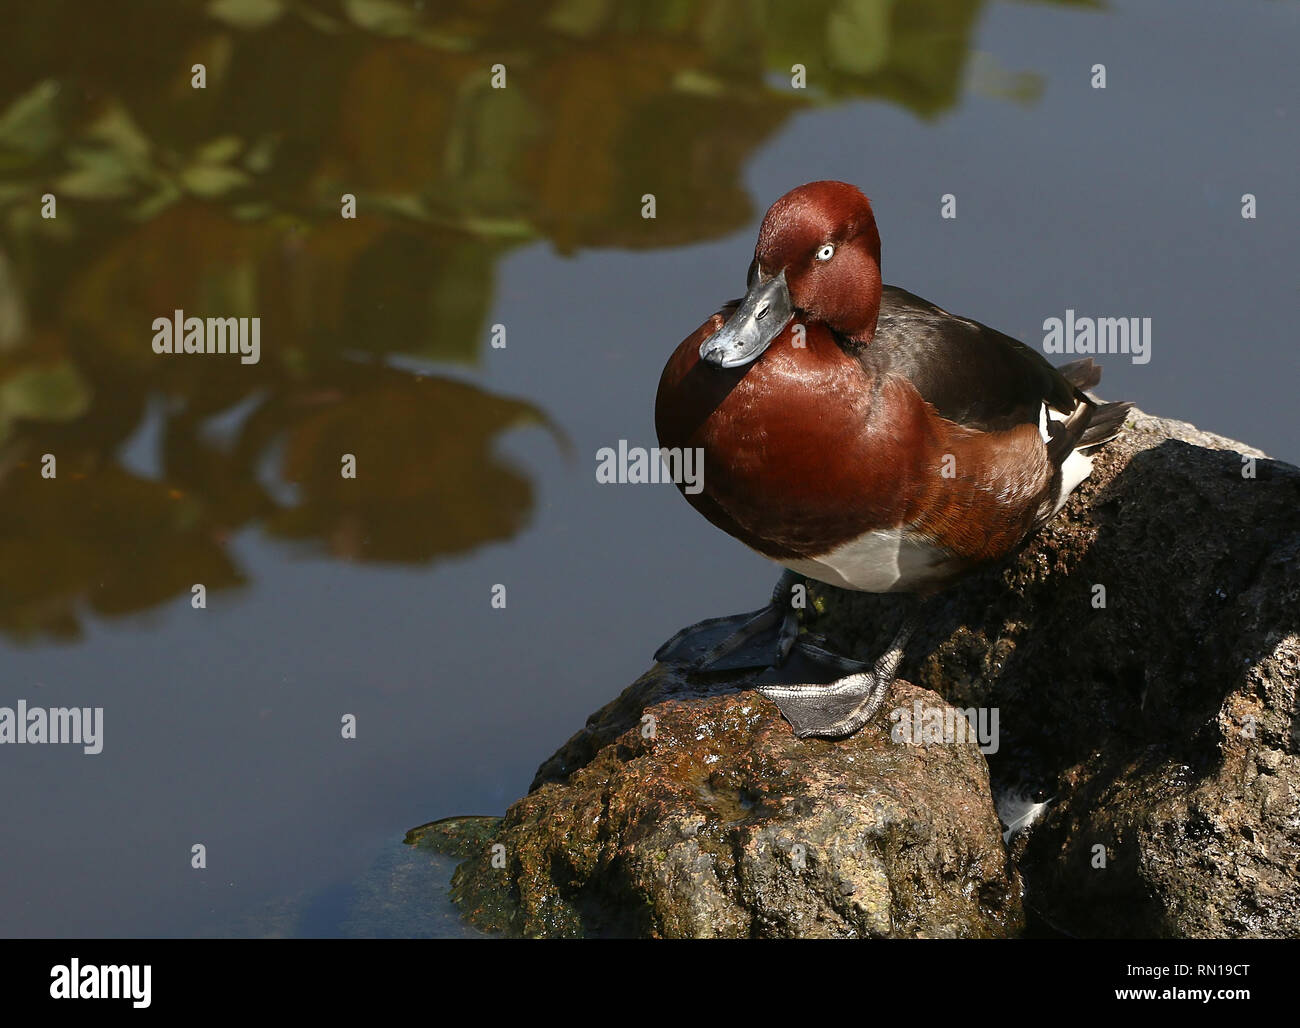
x=1142, y=652
x=700, y=814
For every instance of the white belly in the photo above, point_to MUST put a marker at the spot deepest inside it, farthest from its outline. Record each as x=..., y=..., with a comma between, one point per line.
x=876, y=562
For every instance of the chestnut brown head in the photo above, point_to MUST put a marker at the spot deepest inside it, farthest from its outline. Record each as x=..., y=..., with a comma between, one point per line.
x=818, y=260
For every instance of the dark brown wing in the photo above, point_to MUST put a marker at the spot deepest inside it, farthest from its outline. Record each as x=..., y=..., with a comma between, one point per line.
x=971, y=374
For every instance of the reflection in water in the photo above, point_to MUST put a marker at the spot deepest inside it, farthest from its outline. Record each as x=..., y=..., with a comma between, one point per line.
x=102, y=536
x=227, y=201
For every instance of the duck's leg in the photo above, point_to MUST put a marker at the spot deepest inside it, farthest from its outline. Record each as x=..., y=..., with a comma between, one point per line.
x=841, y=707
x=760, y=638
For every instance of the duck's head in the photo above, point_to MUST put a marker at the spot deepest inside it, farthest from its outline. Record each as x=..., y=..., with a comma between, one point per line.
x=817, y=259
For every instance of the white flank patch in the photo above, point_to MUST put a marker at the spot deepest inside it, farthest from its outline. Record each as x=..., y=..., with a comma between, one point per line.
x=876, y=562
x=1055, y=415
x=1076, y=468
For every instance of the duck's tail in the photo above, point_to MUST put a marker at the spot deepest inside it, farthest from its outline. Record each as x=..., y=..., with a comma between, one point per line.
x=1082, y=374
x=1107, y=420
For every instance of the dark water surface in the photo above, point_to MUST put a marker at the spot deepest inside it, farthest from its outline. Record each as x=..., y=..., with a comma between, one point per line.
x=522, y=208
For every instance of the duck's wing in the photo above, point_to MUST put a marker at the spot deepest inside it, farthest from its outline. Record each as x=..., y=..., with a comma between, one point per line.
x=971, y=374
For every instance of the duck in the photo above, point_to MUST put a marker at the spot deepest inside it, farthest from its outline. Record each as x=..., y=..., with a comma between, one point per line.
x=862, y=437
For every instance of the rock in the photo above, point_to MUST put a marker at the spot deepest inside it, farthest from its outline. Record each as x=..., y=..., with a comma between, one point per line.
x=1162, y=724
x=1141, y=652
x=709, y=818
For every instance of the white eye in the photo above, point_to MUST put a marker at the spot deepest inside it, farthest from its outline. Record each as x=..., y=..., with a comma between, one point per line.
x=826, y=252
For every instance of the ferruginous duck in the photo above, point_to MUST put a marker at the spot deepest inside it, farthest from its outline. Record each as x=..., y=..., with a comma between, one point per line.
x=863, y=437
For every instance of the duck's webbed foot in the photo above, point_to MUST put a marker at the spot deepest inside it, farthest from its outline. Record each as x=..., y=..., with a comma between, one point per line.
x=767, y=638
x=759, y=639
x=838, y=708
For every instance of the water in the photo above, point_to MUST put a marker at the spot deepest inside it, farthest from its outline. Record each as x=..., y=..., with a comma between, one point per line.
x=520, y=207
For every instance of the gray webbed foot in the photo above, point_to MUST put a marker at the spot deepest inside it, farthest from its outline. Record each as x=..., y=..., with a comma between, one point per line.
x=800, y=676
x=758, y=639
x=835, y=709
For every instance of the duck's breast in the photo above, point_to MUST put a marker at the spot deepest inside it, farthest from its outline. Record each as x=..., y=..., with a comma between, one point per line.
x=795, y=462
